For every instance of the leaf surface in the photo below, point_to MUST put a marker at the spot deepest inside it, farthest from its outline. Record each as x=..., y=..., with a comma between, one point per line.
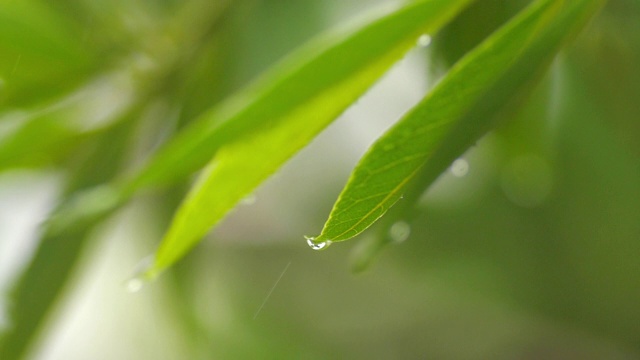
x=456, y=113
x=256, y=132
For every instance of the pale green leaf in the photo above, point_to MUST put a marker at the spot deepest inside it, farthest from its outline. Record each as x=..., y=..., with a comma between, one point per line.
x=456, y=113
x=263, y=128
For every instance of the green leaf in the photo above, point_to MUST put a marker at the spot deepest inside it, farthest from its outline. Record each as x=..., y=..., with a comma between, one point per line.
x=255, y=133
x=42, y=54
x=43, y=282
x=47, y=135
x=338, y=60
x=461, y=109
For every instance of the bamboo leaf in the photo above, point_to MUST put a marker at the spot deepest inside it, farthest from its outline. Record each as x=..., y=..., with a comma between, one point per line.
x=455, y=114
x=255, y=133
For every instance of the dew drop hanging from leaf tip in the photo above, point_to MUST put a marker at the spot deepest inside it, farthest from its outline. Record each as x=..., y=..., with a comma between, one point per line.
x=317, y=245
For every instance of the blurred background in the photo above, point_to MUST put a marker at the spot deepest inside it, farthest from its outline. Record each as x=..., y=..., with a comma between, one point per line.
x=527, y=248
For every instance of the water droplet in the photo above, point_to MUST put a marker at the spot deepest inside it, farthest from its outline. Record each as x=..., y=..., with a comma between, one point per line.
x=460, y=168
x=248, y=200
x=400, y=231
x=424, y=40
x=134, y=285
x=311, y=241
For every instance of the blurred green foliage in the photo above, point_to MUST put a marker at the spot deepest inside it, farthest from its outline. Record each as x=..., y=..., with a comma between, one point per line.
x=529, y=252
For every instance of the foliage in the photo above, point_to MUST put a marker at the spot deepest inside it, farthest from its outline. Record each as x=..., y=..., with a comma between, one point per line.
x=128, y=100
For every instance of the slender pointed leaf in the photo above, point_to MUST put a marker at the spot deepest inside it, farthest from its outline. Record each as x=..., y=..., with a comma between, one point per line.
x=255, y=139
x=455, y=114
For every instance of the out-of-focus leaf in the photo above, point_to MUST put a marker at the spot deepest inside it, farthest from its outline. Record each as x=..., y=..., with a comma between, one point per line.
x=258, y=131
x=44, y=280
x=45, y=136
x=42, y=55
x=456, y=113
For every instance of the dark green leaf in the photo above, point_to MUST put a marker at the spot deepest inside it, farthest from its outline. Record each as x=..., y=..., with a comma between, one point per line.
x=455, y=114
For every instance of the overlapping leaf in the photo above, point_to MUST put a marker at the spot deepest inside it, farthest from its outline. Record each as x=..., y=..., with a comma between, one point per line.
x=456, y=113
x=258, y=131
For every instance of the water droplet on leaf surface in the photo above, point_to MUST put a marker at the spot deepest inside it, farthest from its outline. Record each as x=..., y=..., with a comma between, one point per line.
x=317, y=245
